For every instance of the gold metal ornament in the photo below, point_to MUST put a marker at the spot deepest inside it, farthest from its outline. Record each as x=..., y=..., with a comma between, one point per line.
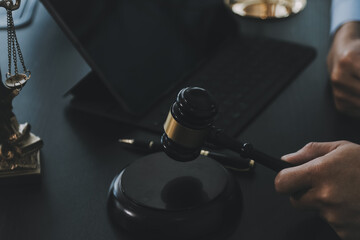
x=10, y=5
x=266, y=9
x=19, y=148
x=182, y=135
x=17, y=80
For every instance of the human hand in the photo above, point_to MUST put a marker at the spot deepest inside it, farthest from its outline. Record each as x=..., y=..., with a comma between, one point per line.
x=326, y=180
x=344, y=68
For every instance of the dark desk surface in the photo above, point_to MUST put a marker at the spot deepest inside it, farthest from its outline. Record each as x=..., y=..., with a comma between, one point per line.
x=81, y=154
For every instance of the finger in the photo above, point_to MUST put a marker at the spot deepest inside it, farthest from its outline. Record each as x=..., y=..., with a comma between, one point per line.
x=310, y=151
x=347, y=108
x=345, y=95
x=347, y=100
x=353, y=64
x=348, y=57
x=294, y=179
x=347, y=87
x=346, y=74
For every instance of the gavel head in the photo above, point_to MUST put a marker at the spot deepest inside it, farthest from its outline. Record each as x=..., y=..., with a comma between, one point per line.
x=188, y=123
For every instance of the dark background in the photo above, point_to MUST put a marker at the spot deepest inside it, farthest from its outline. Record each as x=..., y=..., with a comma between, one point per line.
x=81, y=154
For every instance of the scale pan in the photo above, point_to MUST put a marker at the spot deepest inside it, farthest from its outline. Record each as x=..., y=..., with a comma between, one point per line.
x=16, y=81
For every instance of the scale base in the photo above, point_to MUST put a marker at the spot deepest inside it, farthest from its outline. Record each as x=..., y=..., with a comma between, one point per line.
x=159, y=198
x=25, y=166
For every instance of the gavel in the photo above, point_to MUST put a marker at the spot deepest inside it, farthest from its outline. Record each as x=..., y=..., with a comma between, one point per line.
x=188, y=197
x=189, y=125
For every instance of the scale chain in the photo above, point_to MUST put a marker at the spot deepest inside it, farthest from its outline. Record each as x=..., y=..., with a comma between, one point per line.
x=14, y=51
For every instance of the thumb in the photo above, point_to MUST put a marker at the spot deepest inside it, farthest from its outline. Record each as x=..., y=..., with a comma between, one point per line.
x=310, y=151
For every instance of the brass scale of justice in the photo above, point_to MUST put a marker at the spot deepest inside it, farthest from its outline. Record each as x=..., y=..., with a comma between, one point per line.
x=19, y=148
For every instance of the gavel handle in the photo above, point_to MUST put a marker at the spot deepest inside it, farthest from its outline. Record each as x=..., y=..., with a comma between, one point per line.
x=270, y=162
x=246, y=150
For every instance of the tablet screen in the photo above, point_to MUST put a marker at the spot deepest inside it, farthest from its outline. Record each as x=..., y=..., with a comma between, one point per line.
x=142, y=48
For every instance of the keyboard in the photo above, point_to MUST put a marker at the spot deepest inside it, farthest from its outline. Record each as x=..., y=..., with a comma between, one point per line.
x=244, y=75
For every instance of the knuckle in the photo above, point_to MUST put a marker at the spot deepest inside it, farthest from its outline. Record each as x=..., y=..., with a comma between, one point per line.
x=310, y=145
x=336, y=75
x=343, y=142
x=324, y=195
x=346, y=59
